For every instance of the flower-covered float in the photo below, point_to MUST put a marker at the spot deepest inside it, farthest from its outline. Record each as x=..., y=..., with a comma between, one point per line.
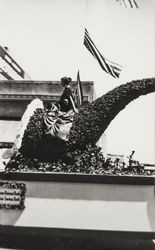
x=37, y=150
x=71, y=189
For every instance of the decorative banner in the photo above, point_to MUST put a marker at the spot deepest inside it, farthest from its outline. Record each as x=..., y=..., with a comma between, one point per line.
x=12, y=195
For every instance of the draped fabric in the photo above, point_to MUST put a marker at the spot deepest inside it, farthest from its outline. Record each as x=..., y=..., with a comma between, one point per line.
x=58, y=123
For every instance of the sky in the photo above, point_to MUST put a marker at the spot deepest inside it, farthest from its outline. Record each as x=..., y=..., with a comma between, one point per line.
x=46, y=39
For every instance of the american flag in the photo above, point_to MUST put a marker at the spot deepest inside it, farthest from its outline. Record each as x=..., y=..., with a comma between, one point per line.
x=79, y=91
x=108, y=66
x=128, y=3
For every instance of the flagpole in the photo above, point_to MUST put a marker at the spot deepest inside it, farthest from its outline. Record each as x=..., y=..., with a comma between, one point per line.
x=79, y=85
x=83, y=32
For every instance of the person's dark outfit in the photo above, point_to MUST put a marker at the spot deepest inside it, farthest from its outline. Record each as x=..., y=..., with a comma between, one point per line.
x=66, y=100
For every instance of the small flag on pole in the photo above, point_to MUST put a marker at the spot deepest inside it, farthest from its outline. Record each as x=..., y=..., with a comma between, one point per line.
x=128, y=3
x=79, y=91
x=108, y=66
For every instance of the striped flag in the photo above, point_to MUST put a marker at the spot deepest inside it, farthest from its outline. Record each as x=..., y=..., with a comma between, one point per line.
x=79, y=91
x=108, y=66
x=128, y=3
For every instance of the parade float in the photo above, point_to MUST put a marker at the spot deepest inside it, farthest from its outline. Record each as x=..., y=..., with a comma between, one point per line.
x=68, y=188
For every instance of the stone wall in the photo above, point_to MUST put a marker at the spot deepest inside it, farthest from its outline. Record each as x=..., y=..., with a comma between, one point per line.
x=16, y=95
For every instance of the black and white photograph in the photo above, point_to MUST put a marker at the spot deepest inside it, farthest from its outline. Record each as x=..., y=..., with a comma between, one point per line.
x=77, y=124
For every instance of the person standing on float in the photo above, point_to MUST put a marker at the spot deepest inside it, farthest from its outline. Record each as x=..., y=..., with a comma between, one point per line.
x=67, y=99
